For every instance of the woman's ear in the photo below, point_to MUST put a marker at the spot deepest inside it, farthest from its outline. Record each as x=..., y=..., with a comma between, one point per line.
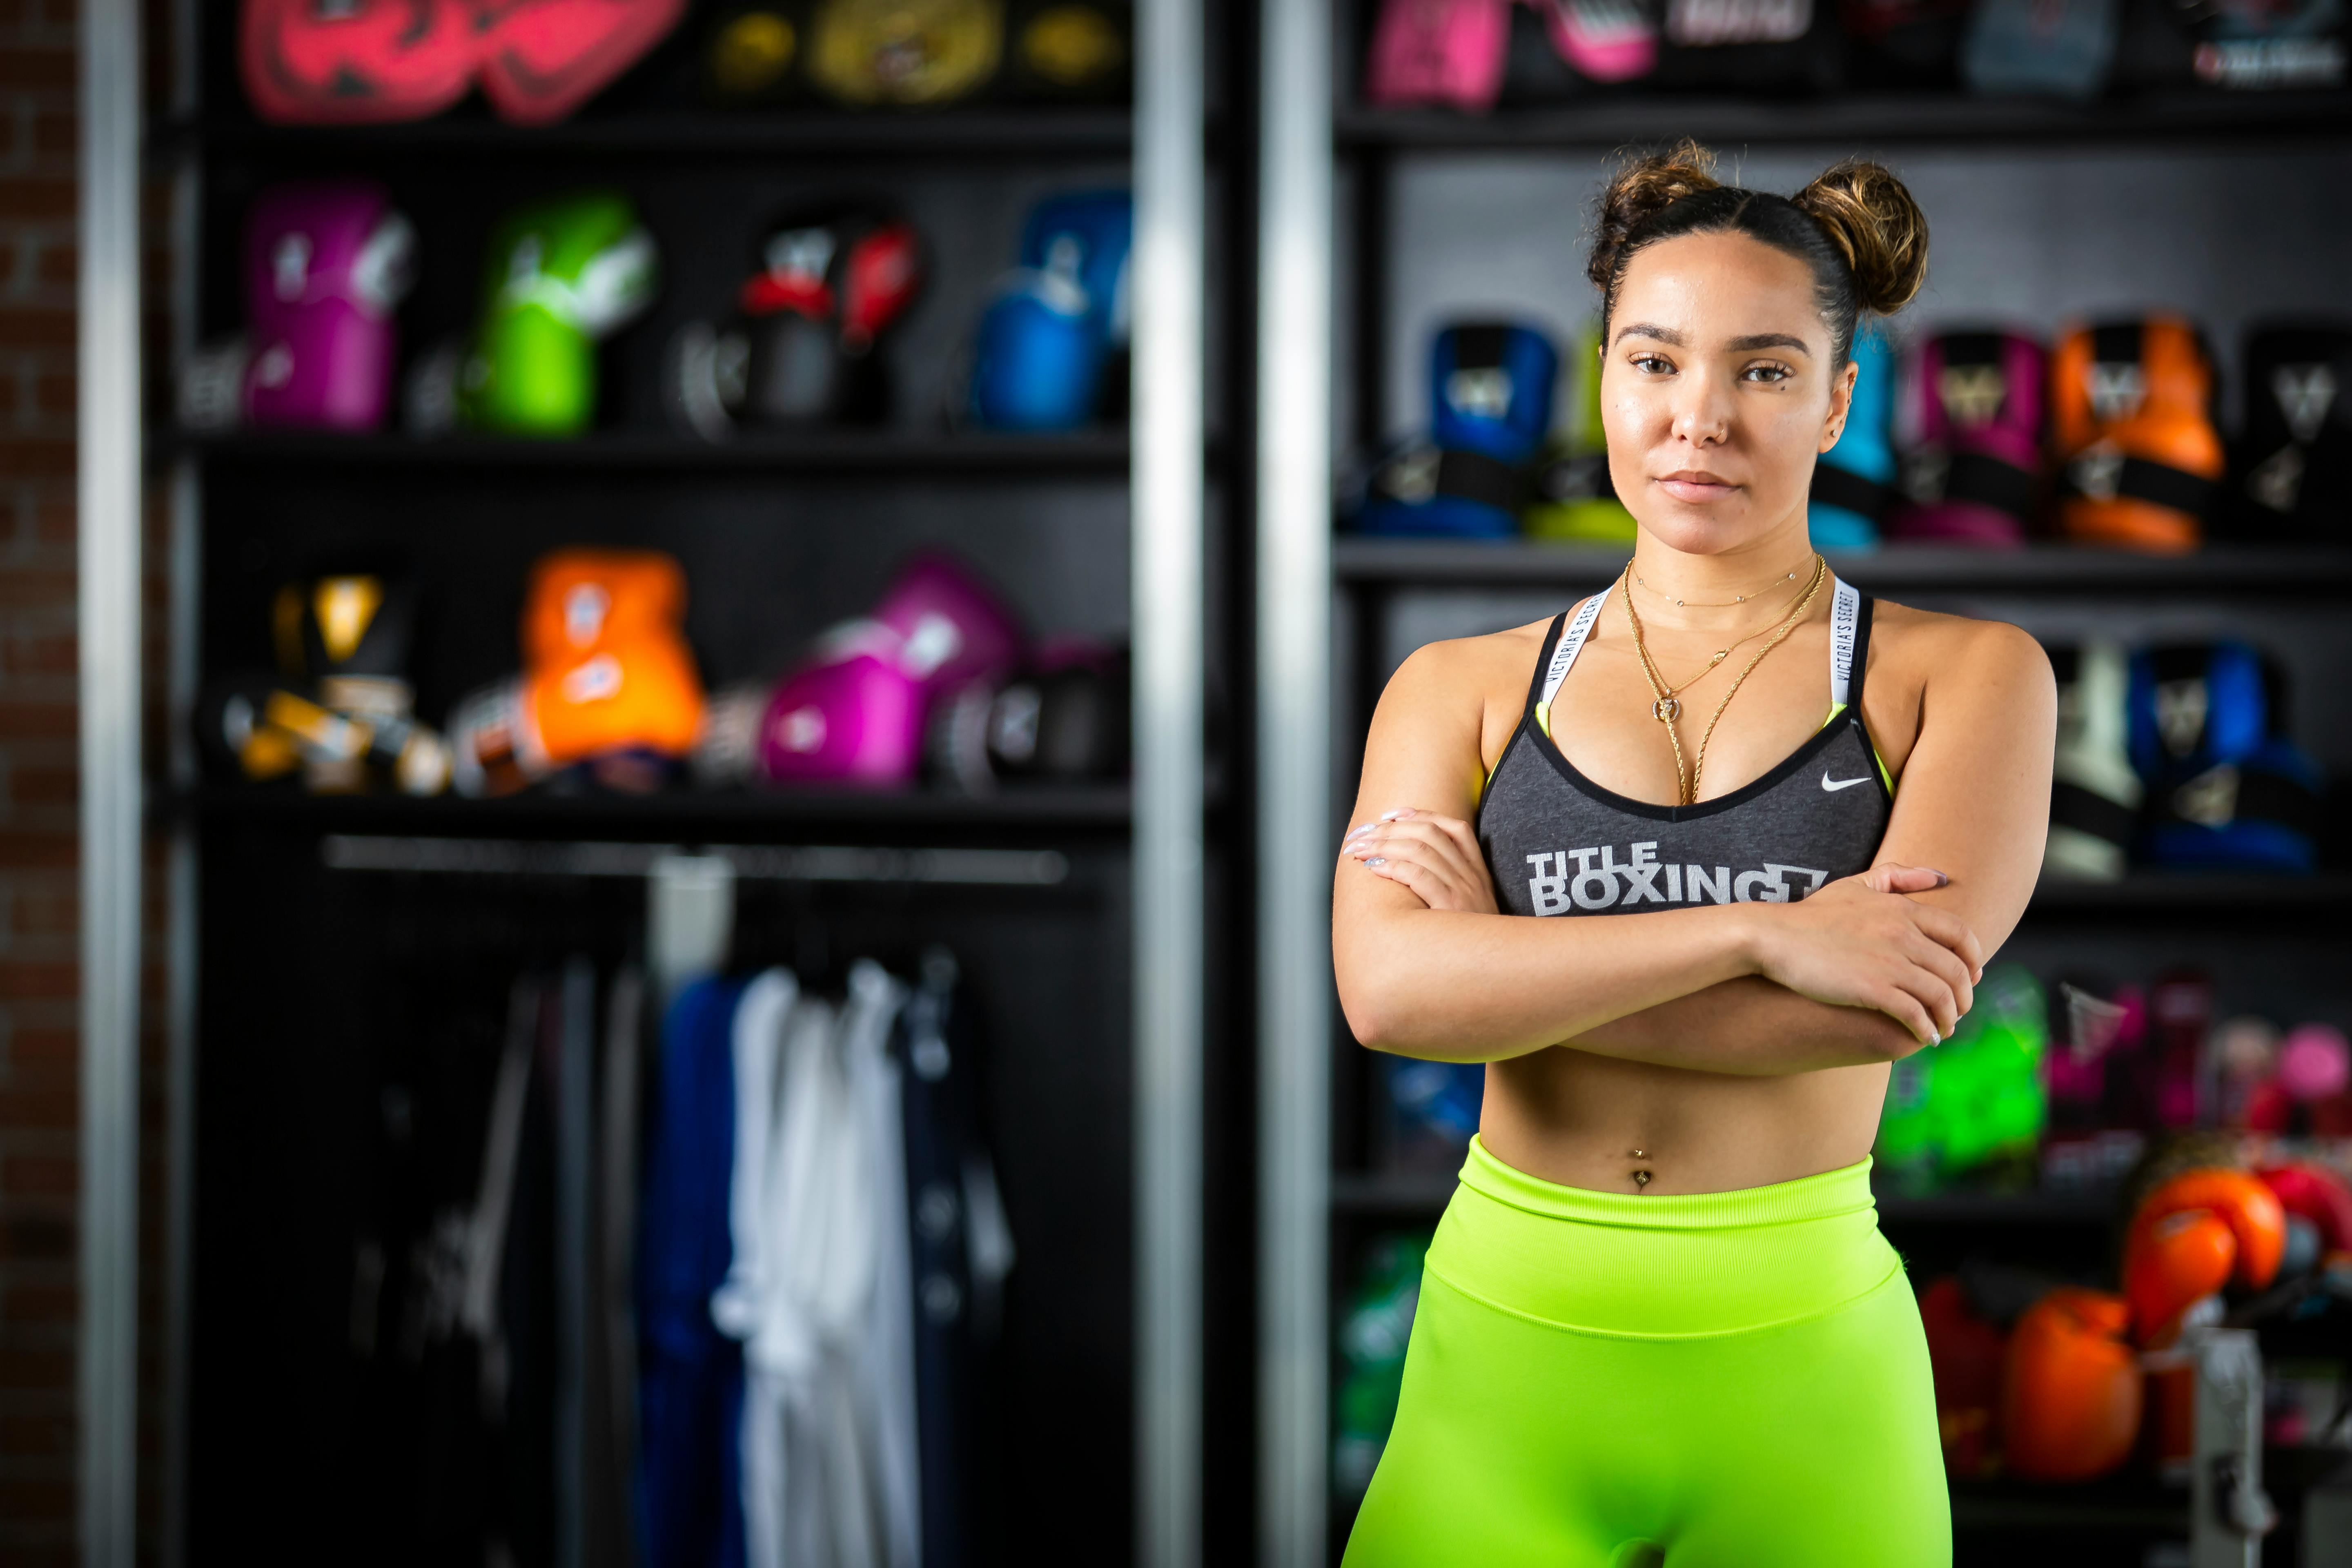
x=1840, y=403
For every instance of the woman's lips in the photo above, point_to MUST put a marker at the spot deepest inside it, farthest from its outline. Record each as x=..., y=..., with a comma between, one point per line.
x=1695, y=485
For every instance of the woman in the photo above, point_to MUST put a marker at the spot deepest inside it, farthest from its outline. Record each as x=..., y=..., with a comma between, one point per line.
x=1658, y=1322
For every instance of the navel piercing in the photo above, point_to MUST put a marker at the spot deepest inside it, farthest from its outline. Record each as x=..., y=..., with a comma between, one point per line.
x=1641, y=1153
x=1641, y=1178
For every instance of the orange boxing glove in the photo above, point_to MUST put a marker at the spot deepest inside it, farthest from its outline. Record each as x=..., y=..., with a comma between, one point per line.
x=2319, y=1195
x=2177, y=1261
x=2131, y=412
x=2240, y=1200
x=582, y=600
x=643, y=697
x=2071, y=1392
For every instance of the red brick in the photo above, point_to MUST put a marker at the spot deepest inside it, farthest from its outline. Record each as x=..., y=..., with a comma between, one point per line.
x=26, y=1368
x=54, y=394
x=28, y=1049
x=25, y=1497
x=19, y=981
x=44, y=1108
x=35, y=326
x=38, y=1175
x=33, y=589
x=44, y=786
x=39, y=653
x=54, y=521
x=37, y=458
x=33, y=850
x=36, y=1437
x=21, y=718
x=38, y=198
x=30, y=67
x=58, y=264
x=56, y=133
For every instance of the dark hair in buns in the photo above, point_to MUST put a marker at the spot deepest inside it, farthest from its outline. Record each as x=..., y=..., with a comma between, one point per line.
x=1855, y=227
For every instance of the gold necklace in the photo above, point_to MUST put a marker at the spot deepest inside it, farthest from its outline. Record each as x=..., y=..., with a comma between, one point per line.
x=1735, y=599
x=1666, y=709
x=1721, y=654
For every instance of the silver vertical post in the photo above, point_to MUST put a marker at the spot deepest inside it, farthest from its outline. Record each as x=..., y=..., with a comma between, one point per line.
x=1167, y=566
x=107, y=628
x=1294, y=718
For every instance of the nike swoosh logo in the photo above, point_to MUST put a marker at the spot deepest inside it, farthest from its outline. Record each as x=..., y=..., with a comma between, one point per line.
x=1829, y=783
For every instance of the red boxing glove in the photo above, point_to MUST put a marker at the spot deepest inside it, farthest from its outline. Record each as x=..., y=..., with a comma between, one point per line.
x=2240, y=1201
x=2173, y=1263
x=2319, y=1195
x=2071, y=1392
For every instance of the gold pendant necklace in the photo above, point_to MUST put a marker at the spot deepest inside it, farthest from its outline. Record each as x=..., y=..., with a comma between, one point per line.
x=1735, y=599
x=1666, y=708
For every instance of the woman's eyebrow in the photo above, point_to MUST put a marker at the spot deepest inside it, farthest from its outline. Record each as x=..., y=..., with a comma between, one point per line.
x=1769, y=340
x=1645, y=329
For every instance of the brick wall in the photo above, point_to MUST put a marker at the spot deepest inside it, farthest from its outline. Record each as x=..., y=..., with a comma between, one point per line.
x=39, y=911
x=39, y=907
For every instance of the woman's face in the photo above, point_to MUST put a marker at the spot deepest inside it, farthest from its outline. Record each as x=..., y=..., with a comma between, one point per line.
x=1717, y=391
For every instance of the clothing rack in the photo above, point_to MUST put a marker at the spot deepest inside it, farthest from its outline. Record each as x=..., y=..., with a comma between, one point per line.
x=775, y=863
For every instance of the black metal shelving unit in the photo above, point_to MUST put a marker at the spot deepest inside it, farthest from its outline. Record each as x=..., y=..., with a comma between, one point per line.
x=2254, y=926
x=289, y=948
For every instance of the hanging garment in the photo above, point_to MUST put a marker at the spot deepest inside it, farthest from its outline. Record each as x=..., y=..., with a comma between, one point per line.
x=690, y=1388
x=609, y=1370
x=830, y=1461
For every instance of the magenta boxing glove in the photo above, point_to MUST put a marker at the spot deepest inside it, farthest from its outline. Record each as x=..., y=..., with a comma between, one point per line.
x=325, y=266
x=1971, y=411
x=853, y=717
x=950, y=628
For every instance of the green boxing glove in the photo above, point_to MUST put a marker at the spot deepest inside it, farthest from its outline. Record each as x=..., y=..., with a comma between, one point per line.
x=562, y=275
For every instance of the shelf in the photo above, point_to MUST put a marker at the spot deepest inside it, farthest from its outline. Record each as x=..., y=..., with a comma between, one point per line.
x=1103, y=453
x=469, y=131
x=1392, y=1195
x=2130, y=1503
x=684, y=815
x=1448, y=563
x=1851, y=120
x=2233, y=898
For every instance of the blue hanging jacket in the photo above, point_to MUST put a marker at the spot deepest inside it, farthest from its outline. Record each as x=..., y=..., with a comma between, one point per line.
x=690, y=1388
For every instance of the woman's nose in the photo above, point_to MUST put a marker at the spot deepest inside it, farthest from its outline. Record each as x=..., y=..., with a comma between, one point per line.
x=1702, y=408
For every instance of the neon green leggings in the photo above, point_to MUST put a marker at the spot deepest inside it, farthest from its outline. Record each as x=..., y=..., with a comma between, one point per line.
x=1729, y=1380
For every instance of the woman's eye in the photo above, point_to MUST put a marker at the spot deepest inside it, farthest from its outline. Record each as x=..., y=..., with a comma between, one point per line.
x=1650, y=365
x=1765, y=373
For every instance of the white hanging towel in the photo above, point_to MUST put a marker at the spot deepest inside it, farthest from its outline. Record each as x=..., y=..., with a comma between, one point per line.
x=828, y=1436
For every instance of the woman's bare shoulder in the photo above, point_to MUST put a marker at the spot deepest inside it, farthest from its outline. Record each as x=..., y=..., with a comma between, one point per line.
x=1930, y=650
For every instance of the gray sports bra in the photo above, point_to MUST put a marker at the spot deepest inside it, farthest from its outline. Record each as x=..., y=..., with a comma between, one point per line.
x=1558, y=844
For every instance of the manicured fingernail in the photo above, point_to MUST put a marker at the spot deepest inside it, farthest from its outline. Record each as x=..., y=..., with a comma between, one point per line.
x=1397, y=815
x=1934, y=1038
x=1942, y=880
x=1356, y=835
x=1378, y=861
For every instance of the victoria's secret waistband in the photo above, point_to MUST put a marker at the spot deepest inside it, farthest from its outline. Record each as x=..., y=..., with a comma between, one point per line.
x=1664, y=1267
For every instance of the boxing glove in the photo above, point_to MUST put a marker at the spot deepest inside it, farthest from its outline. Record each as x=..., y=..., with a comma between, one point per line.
x=909, y=54
x=2059, y=48
x=342, y=640
x=2292, y=467
x=1490, y=393
x=540, y=60
x=1437, y=52
x=1750, y=45
x=2094, y=796
x=1854, y=481
x=805, y=346
x=2226, y=788
x=2269, y=43
x=1067, y=721
x=360, y=62
x=2131, y=418
x=266, y=732
x=2070, y=1387
x=2172, y=1265
x=1073, y=50
x=562, y=275
x=2239, y=1200
x=1051, y=344
x=2318, y=1196
x=1574, y=497
x=607, y=679
x=325, y=266
x=1965, y=1353
x=750, y=53
x=854, y=715
x=1602, y=40
x=1970, y=413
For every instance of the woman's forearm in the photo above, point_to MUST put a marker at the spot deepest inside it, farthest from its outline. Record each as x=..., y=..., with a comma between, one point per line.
x=1751, y=1026
x=1455, y=986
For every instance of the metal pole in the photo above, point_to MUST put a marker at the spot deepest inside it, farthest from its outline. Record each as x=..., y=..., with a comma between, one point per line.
x=1168, y=570
x=1293, y=684
x=107, y=628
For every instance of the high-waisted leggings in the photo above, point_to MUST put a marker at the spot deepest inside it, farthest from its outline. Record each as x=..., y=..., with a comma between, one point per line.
x=1725, y=1380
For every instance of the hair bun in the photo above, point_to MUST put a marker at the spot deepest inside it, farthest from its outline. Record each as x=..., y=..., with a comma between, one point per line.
x=1871, y=218
x=1645, y=186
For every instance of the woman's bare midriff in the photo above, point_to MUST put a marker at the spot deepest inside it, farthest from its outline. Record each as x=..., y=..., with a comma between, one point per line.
x=1615, y=1126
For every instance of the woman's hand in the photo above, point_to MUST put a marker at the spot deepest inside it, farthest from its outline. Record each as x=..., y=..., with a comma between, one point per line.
x=1434, y=857
x=1859, y=943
